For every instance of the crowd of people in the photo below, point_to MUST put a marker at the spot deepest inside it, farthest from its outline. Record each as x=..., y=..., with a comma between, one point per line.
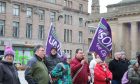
x=52, y=69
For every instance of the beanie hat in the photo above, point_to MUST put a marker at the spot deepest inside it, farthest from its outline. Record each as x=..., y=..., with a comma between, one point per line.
x=9, y=51
x=64, y=57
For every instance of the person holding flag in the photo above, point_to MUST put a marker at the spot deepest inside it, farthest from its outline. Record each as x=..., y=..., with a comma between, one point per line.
x=101, y=44
x=53, y=52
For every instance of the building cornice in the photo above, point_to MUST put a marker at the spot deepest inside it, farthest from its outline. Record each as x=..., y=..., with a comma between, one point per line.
x=114, y=16
x=123, y=4
x=74, y=10
x=36, y=6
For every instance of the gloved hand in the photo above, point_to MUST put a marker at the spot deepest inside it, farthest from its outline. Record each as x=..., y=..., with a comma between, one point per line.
x=64, y=72
x=107, y=80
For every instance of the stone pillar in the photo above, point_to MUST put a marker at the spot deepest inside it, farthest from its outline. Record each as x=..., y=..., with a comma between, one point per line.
x=134, y=39
x=120, y=36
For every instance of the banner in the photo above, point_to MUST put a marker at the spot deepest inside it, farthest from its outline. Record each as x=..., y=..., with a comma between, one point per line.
x=102, y=41
x=52, y=41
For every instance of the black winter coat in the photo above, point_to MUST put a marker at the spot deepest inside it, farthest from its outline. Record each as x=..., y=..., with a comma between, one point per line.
x=8, y=73
x=118, y=68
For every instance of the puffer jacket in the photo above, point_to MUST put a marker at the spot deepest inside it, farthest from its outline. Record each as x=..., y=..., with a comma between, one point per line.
x=8, y=73
x=36, y=72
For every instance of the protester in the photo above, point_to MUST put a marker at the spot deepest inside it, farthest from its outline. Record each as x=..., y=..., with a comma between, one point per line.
x=91, y=67
x=116, y=67
x=62, y=72
x=125, y=61
x=8, y=73
x=79, y=68
x=37, y=72
x=134, y=71
x=52, y=59
x=134, y=74
x=102, y=74
x=125, y=79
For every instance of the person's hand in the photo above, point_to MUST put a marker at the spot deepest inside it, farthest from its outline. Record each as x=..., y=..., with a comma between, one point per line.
x=83, y=62
x=107, y=79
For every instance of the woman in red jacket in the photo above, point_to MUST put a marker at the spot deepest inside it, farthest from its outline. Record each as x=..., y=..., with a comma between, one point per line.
x=102, y=75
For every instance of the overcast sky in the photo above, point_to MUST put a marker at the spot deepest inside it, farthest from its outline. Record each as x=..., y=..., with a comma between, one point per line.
x=103, y=4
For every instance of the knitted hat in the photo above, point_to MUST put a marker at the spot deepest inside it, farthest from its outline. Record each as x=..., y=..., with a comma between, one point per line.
x=64, y=57
x=9, y=51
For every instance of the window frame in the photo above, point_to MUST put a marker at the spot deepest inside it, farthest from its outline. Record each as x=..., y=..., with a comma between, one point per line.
x=16, y=28
x=3, y=27
x=2, y=7
x=16, y=10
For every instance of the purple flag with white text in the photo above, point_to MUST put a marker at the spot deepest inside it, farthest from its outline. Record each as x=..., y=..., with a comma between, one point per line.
x=102, y=40
x=52, y=41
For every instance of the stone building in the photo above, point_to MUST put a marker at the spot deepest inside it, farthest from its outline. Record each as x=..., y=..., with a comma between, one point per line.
x=124, y=20
x=25, y=23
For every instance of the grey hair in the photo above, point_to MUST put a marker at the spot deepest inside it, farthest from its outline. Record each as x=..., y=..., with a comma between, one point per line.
x=116, y=53
x=37, y=47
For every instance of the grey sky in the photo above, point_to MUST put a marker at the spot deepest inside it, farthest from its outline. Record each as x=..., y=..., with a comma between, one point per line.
x=103, y=4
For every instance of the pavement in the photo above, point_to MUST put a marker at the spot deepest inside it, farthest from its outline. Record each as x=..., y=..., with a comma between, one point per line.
x=22, y=77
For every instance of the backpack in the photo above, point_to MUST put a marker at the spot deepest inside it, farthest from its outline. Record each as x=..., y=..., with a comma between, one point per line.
x=125, y=78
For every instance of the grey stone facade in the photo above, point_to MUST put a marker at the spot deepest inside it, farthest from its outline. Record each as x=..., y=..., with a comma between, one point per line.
x=69, y=16
x=124, y=18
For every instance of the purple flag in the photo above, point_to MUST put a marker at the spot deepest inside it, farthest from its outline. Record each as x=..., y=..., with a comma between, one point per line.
x=102, y=40
x=52, y=41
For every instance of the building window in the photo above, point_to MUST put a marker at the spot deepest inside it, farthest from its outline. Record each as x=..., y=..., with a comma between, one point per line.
x=15, y=29
x=68, y=19
x=41, y=14
x=80, y=22
x=2, y=27
x=41, y=32
x=68, y=3
x=68, y=52
x=29, y=30
x=67, y=35
x=2, y=7
x=16, y=10
x=81, y=7
x=65, y=2
x=91, y=30
x=52, y=16
x=80, y=36
x=29, y=12
x=52, y=1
